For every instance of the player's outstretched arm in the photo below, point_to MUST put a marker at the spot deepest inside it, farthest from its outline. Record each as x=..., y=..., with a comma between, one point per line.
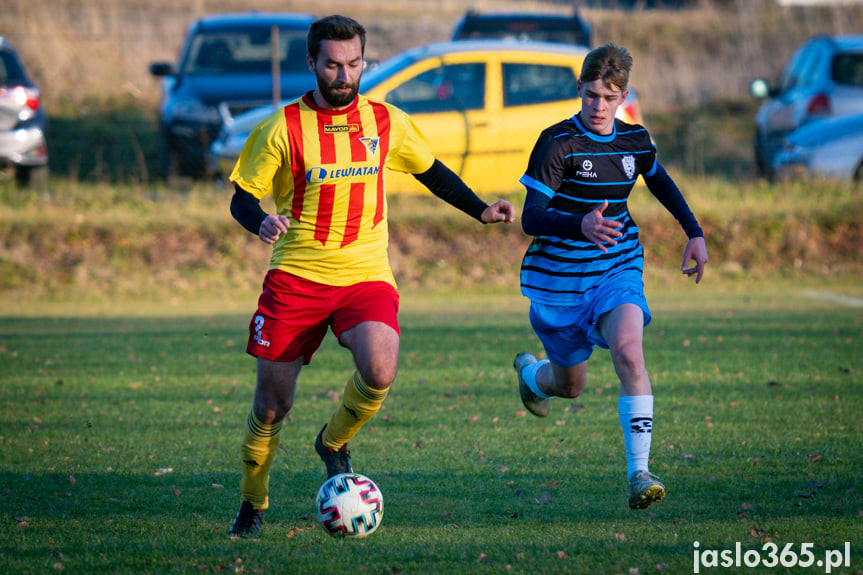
x=696, y=249
x=446, y=185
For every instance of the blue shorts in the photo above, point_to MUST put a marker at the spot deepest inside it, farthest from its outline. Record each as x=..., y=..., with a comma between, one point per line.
x=568, y=333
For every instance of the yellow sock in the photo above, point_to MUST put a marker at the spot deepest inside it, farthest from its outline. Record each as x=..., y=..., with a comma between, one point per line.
x=359, y=404
x=259, y=447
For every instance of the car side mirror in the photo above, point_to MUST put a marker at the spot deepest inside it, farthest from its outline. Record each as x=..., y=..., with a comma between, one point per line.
x=759, y=89
x=162, y=69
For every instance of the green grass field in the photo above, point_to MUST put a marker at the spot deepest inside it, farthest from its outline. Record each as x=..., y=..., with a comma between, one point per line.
x=120, y=428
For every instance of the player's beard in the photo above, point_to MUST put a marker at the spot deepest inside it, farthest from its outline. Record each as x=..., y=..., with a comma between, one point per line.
x=338, y=99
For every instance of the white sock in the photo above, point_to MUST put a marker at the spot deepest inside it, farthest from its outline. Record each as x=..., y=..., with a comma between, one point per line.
x=528, y=374
x=636, y=420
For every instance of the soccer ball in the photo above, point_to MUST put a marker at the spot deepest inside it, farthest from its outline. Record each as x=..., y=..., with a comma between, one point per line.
x=349, y=504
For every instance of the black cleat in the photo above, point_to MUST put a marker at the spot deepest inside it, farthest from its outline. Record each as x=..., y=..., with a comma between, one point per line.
x=336, y=461
x=248, y=521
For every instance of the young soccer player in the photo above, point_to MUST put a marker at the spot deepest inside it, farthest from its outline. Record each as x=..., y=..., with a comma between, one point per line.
x=583, y=270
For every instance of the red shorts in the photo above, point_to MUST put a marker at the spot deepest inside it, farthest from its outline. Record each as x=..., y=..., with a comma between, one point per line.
x=294, y=314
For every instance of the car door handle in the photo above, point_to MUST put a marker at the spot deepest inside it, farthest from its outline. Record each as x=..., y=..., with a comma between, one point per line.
x=479, y=125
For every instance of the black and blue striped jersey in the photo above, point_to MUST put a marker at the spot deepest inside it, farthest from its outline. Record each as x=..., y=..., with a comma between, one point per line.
x=570, y=171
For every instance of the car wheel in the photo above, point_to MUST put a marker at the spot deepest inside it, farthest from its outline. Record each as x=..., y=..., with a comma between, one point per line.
x=169, y=168
x=33, y=177
x=762, y=163
x=174, y=171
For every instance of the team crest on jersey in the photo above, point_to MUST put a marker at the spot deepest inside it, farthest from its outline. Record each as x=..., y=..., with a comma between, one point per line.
x=628, y=166
x=371, y=144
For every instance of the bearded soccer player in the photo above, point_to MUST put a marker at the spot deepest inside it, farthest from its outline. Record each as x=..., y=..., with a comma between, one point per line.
x=324, y=156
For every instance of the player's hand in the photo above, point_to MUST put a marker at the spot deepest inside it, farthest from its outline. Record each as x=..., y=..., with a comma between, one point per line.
x=500, y=211
x=272, y=227
x=599, y=230
x=696, y=250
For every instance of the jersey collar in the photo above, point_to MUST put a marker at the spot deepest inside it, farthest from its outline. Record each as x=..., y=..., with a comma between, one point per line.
x=593, y=136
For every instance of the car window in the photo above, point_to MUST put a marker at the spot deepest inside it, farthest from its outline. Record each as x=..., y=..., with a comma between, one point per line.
x=447, y=88
x=537, y=83
x=812, y=66
x=244, y=51
x=11, y=72
x=791, y=75
x=847, y=69
x=563, y=31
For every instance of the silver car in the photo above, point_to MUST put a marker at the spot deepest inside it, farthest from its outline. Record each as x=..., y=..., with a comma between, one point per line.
x=823, y=79
x=23, y=151
x=828, y=148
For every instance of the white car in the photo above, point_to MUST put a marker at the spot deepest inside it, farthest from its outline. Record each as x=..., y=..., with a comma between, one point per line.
x=23, y=150
x=829, y=148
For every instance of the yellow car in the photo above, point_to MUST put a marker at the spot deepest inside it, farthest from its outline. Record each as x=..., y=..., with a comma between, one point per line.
x=481, y=104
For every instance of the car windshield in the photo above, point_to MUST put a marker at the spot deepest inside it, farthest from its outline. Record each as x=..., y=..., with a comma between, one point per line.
x=11, y=72
x=386, y=69
x=244, y=52
x=848, y=69
x=562, y=32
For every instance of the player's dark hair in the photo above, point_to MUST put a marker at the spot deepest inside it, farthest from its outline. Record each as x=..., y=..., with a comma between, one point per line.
x=335, y=27
x=610, y=63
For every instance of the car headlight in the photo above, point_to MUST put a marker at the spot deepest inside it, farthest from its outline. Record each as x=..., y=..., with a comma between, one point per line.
x=195, y=111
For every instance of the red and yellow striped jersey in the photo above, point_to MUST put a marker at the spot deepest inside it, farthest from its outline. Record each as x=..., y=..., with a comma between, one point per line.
x=326, y=170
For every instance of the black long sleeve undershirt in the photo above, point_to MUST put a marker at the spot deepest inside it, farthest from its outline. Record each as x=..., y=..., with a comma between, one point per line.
x=538, y=220
x=666, y=191
x=247, y=210
x=446, y=185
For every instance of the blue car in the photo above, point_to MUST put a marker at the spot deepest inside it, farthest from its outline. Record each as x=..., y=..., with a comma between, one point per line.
x=225, y=68
x=823, y=79
x=831, y=148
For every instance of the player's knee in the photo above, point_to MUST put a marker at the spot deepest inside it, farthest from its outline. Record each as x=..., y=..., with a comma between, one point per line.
x=273, y=413
x=574, y=388
x=379, y=375
x=571, y=387
x=629, y=359
x=573, y=391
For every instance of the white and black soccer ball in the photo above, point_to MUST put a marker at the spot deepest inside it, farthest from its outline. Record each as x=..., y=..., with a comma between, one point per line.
x=349, y=504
